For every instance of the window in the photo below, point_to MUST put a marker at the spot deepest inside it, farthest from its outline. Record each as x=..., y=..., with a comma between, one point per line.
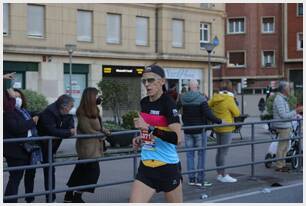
x=177, y=33
x=142, y=28
x=236, y=59
x=113, y=28
x=299, y=41
x=206, y=6
x=300, y=9
x=84, y=25
x=204, y=34
x=236, y=26
x=268, y=59
x=5, y=18
x=267, y=25
x=36, y=18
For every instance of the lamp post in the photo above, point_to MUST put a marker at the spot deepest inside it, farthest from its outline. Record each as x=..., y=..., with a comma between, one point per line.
x=209, y=47
x=70, y=48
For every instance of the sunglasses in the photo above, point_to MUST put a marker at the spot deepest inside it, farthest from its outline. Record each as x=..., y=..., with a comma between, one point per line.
x=149, y=80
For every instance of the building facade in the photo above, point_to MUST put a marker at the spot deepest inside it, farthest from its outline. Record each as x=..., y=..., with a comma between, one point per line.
x=253, y=46
x=112, y=41
x=263, y=43
x=293, y=44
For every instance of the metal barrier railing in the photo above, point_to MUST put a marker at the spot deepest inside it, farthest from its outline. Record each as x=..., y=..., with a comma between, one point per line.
x=134, y=156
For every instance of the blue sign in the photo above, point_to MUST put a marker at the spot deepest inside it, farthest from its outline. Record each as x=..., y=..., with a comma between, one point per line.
x=216, y=41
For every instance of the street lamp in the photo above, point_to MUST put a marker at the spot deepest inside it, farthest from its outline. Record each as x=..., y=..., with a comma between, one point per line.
x=70, y=48
x=209, y=47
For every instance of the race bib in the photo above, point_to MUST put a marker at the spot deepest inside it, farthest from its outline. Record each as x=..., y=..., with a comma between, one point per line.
x=148, y=140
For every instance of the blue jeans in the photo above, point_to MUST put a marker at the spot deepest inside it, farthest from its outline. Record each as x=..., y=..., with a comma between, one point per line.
x=195, y=140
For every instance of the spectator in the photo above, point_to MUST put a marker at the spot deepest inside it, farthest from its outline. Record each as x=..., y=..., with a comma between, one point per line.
x=172, y=92
x=55, y=121
x=281, y=110
x=196, y=112
x=224, y=107
x=88, y=123
x=261, y=105
x=17, y=124
x=160, y=168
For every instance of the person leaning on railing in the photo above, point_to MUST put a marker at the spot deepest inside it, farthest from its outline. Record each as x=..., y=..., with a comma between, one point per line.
x=55, y=121
x=89, y=148
x=281, y=110
x=15, y=125
x=224, y=107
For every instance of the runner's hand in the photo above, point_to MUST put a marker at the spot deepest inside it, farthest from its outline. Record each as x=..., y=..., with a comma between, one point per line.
x=136, y=142
x=139, y=123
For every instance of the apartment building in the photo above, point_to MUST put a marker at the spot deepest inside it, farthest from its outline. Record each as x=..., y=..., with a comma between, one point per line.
x=253, y=45
x=293, y=44
x=112, y=41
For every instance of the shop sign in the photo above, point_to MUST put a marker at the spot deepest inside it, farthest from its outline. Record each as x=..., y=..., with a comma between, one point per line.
x=122, y=71
x=181, y=73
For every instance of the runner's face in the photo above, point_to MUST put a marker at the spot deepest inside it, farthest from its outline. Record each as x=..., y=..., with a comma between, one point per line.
x=153, y=83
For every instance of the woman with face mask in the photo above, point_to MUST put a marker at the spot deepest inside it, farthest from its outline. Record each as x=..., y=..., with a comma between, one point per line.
x=17, y=123
x=89, y=122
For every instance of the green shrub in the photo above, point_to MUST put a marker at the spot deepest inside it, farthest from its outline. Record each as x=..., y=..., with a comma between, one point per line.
x=112, y=126
x=128, y=119
x=36, y=102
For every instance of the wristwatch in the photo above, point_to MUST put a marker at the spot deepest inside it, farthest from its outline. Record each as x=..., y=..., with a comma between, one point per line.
x=151, y=129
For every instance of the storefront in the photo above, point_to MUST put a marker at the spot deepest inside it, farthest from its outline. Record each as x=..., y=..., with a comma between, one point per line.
x=79, y=80
x=129, y=77
x=23, y=72
x=181, y=76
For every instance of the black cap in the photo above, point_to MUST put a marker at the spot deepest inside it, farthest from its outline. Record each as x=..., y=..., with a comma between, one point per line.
x=155, y=69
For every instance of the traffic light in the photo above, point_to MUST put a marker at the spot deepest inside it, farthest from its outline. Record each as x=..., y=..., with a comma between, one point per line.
x=244, y=83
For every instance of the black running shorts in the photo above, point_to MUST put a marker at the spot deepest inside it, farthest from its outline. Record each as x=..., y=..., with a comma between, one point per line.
x=164, y=178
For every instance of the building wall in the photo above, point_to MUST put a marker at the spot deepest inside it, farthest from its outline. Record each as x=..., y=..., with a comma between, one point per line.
x=294, y=25
x=253, y=42
x=61, y=28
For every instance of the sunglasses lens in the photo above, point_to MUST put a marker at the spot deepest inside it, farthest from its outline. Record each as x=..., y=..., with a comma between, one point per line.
x=149, y=80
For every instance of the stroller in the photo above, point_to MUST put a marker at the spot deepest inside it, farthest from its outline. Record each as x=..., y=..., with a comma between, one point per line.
x=293, y=148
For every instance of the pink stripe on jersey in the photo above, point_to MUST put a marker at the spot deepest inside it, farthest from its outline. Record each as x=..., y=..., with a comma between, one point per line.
x=154, y=120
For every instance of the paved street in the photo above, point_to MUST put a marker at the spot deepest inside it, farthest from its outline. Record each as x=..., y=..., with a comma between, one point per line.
x=122, y=170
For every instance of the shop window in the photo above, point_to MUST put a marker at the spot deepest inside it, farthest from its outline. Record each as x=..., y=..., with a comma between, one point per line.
x=84, y=26
x=236, y=59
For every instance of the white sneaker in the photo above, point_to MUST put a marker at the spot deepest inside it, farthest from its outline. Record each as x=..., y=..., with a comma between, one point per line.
x=226, y=178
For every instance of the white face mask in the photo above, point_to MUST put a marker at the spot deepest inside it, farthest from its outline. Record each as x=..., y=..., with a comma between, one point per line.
x=18, y=102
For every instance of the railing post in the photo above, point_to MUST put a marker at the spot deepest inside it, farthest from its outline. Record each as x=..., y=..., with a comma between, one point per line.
x=204, y=143
x=50, y=185
x=253, y=153
x=300, y=145
x=135, y=164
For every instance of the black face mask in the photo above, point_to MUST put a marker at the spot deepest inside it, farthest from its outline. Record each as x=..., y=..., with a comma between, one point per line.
x=99, y=100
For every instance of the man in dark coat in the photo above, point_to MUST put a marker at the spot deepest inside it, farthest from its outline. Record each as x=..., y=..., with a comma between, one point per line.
x=55, y=121
x=195, y=112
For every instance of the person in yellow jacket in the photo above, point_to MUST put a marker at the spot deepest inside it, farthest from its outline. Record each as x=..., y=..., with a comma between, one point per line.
x=224, y=107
